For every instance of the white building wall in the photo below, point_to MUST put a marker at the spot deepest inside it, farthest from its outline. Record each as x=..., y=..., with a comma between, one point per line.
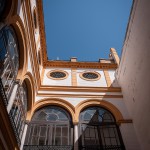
x=98, y=83
x=53, y=82
x=134, y=71
x=113, y=78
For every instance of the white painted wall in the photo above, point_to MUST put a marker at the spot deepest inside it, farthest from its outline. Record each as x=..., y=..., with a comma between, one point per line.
x=98, y=83
x=134, y=71
x=29, y=69
x=64, y=82
x=112, y=78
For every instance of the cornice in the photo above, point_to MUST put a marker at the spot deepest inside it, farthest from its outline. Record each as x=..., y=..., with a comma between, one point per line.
x=42, y=30
x=79, y=95
x=80, y=89
x=63, y=64
x=68, y=64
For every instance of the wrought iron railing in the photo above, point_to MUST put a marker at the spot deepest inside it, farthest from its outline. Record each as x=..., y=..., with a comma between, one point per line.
x=5, y=100
x=2, y=92
x=47, y=147
x=101, y=147
x=15, y=129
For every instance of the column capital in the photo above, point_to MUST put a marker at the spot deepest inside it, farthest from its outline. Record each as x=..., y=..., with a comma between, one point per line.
x=75, y=123
x=27, y=122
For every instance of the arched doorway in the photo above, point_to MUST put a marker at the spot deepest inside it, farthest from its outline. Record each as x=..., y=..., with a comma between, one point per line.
x=51, y=127
x=98, y=130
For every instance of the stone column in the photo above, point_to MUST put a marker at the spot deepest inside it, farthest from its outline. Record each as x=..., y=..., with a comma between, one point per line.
x=24, y=135
x=76, y=137
x=12, y=97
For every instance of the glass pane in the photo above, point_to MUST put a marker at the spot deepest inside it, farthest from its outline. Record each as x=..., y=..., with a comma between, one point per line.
x=58, y=141
x=43, y=131
x=42, y=141
x=34, y=140
x=58, y=131
x=64, y=131
x=64, y=141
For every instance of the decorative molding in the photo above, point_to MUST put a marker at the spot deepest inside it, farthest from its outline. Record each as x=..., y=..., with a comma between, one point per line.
x=65, y=72
x=94, y=72
x=125, y=121
x=74, y=76
x=80, y=89
x=88, y=103
x=79, y=95
x=107, y=77
x=54, y=101
x=68, y=64
x=115, y=56
x=42, y=75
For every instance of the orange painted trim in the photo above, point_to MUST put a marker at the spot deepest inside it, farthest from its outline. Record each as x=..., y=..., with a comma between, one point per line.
x=17, y=24
x=80, y=89
x=81, y=75
x=65, y=72
x=57, y=102
x=74, y=76
x=28, y=78
x=107, y=78
x=75, y=111
x=87, y=103
x=79, y=95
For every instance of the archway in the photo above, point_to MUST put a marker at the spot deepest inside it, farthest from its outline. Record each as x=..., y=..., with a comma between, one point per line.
x=98, y=130
x=50, y=127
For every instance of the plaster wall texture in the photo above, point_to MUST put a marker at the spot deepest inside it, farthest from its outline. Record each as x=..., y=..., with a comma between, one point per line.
x=64, y=82
x=29, y=69
x=129, y=136
x=112, y=78
x=98, y=83
x=118, y=103
x=134, y=71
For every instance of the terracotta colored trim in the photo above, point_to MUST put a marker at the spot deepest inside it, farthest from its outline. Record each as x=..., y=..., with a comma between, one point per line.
x=87, y=103
x=107, y=78
x=79, y=95
x=80, y=89
x=58, y=102
x=74, y=76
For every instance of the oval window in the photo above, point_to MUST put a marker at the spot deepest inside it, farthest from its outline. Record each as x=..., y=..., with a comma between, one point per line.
x=57, y=74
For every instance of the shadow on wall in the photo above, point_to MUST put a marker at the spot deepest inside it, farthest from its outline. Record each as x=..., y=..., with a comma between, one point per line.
x=98, y=130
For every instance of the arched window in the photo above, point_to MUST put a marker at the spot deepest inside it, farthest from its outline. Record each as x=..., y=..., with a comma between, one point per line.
x=9, y=58
x=51, y=126
x=19, y=109
x=98, y=130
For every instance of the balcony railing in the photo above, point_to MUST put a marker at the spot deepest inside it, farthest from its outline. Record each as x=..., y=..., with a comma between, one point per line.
x=2, y=92
x=4, y=98
x=101, y=147
x=47, y=147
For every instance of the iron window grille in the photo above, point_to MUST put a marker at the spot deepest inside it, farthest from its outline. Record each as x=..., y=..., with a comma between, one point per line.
x=98, y=130
x=57, y=74
x=50, y=127
x=19, y=109
x=90, y=75
x=9, y=59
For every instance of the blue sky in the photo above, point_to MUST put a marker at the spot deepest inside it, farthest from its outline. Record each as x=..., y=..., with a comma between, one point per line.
x=85, y=29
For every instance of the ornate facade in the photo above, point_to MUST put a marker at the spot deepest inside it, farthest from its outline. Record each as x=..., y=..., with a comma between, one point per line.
x=56, y=105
